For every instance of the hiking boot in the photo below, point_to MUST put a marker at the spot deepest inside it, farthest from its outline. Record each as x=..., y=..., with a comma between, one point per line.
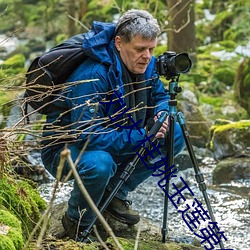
x=121, y=211
x=75, y=231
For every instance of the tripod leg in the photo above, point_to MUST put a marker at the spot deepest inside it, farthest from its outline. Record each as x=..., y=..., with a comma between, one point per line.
x=170, y=162
x=164, y=229
x=198, y=175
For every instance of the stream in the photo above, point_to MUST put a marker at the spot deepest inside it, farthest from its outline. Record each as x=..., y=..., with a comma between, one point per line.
x=230, y=203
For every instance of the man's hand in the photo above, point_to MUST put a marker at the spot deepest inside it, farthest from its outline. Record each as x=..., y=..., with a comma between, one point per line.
x=164, y=128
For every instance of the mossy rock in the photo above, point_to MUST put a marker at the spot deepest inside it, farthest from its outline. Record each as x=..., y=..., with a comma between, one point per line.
x=150, y=235
x=232, y=139
x=11, y=237
x=128, y=244
x=219, y=107
x=231, y=169
x=22, y=200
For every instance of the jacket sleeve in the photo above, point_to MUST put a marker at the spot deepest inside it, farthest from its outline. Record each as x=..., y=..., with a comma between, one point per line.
x=89, y=120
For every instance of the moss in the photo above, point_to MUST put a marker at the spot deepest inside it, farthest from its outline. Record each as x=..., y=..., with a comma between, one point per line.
x=60, y=38
x=225, y=75
x=214, y=101
x=16, y=237
x=6, y=96
x=128, y=244
x=13, y=239
x=10, y=220
x=6, y=243
x=13, y=71
x=229, y=45
x=235, y=125
x=21, y=199
x=16, y=61
x=220, y=132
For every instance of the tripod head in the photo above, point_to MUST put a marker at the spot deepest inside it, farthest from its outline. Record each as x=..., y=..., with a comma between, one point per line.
x=174, y=89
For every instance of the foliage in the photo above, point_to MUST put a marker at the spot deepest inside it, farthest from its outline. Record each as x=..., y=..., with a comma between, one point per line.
x=227, y=21
x=12, y=69
x=221, y=106
x=224, y=75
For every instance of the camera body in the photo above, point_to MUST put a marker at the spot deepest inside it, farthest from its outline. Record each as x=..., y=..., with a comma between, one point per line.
x=171, y=65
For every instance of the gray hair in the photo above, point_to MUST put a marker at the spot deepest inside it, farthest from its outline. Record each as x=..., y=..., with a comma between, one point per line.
x=137, y=22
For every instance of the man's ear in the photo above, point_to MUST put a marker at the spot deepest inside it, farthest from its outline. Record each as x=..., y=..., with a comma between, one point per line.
x=118, y=42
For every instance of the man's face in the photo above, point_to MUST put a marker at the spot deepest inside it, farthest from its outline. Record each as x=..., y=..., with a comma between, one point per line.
x=137, y=53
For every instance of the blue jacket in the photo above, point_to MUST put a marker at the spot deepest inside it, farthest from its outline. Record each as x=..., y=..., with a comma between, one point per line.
x=88, y=116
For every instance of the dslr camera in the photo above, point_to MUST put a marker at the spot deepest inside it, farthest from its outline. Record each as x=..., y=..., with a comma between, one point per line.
x=171, y=65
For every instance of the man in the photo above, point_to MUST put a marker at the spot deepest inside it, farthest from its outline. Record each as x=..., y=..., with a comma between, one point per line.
x=108, y=114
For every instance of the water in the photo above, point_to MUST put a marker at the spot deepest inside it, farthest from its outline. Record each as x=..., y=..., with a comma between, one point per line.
x=230, y=203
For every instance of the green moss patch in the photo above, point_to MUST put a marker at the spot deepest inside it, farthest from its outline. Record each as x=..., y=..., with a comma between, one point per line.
x=10, y=231
x=22, y=200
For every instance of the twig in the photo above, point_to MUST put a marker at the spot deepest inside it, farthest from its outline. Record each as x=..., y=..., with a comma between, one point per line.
x=77, y=21
x=137, y=236
x=99, y=238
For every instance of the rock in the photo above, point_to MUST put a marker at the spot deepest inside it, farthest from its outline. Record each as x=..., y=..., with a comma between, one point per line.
x=183, y=160
x=197, y=125
x=231, y=169
x=150, y=235
x=231, y=139
x=188, y=95
x=228, y=110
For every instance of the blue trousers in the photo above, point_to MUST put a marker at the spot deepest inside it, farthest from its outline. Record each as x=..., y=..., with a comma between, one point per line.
x=100, y=170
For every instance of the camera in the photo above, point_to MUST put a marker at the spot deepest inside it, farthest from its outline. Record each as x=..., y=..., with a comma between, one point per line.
x=171, y=65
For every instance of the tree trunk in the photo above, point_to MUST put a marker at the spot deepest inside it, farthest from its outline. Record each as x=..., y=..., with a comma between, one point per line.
x=71, y=6
x=83, y=7
x=181, y=27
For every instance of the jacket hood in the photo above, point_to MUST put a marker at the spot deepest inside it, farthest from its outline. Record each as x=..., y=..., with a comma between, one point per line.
x=98, y=43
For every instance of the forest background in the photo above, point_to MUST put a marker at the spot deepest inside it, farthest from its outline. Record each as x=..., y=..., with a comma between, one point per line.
x=214, y=33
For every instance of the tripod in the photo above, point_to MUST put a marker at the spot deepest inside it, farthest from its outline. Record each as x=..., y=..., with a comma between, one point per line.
x=127, y=171
x=173, y=90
